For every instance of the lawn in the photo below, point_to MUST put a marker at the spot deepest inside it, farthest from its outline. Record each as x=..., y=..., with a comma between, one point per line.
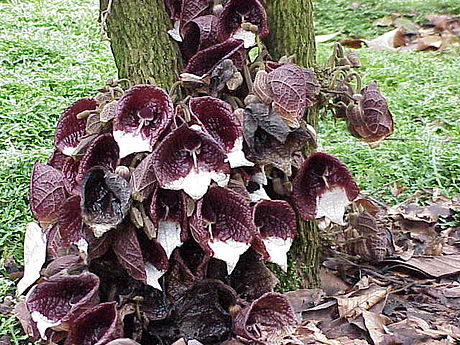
x=51, y=54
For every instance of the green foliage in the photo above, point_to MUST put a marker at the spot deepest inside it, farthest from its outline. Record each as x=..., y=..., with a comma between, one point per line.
x=422, y=92
x=50, y=55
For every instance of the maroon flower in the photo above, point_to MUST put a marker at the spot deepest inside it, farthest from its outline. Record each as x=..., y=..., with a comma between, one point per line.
x=370, y=120
x=69, y=129
x=188, y=159
x=275, y=220
x=263, y=321
x=168, y=211
x=47, y=193
x=60, y=299
x=219, y=121
x=199, y=33
x=237, y=12
x=144, y=112
x=96, y=326
x=105, y=200
x=205, y=60
x=223, y=225
x=323, y=187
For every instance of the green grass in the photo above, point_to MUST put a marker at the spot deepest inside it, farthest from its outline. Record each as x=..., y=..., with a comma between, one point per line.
x=422, y=89
x=51, y=54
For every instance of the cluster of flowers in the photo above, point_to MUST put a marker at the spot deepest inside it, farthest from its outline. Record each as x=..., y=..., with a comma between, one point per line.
x=155, y=217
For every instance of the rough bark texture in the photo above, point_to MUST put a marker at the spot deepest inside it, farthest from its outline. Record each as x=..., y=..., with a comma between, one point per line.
x=291, y=32
x=143, y=51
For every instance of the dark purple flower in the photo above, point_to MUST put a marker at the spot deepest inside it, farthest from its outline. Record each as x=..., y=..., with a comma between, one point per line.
x=105, y=199
x=276, y=222
x=168, y=211
x=103, y=151
x=370, y=120
x=323, y=187
x=183, y=11
x=47, y=193
x=236, y=12
x=69, y=129
x=188, y=159
x=60, y=299
x=96, y=326
x=263, y=321
x=219, y=121
x=199, y=33
x=143, y=113
x=205, y=60
x=223, y=225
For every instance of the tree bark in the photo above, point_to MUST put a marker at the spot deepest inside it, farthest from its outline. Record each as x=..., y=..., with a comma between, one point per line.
x=292, y=32
x=141, y=46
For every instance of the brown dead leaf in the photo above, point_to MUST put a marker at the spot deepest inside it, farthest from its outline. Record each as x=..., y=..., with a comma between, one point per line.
x=388, y=41
x=435, y=266
x=375, y=325
x=325, y=38
x=409, y=26
x=304, y=299
x=353, y=304
x=384, y=21
x=309, y=333
x=397, y=189
x=354, y=43
x=431, y=42
x=330, y=283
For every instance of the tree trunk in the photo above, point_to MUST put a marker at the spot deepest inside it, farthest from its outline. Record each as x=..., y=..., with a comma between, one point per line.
x=143, y=52
x=291, y=32
x=141, y=46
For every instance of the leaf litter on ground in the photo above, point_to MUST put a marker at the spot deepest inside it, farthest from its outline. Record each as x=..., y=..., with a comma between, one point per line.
x=439, y=32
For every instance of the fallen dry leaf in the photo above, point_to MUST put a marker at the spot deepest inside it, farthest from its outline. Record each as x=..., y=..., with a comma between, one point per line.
x=375, y=324
x=353, y=304
x=325, y=38
x=435, y=266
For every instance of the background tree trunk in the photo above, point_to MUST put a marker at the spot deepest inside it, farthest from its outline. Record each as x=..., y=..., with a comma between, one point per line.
x=141, y=46
x=292, y=32
x=143, y=51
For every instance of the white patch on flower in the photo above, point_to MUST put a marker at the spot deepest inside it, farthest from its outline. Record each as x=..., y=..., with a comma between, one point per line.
x=332, y=204
x=168, y=236
x=100, y=229
x=34, y=256
x=153, y=275
x=248, y=37
x=236, y=157
x=278, y=248
x=228, y=251
x=131, y=143
x=69, y=150
x=196, y=182
x=259, y=194
x=175, y=33
x=190, y=77
x=43, y=323
x=259, y=177
x=82, y=246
